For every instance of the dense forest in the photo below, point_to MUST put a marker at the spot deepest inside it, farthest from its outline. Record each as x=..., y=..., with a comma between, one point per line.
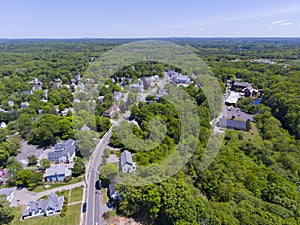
x=255, y=177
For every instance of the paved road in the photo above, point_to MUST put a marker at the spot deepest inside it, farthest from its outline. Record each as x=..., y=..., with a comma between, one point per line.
x=94, y=206
x=23, y=196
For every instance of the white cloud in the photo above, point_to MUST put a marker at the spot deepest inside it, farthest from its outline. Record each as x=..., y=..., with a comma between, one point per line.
x=286, y=24
x=277, y=22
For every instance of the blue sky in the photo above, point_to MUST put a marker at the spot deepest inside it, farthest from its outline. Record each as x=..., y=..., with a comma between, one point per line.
x=145, y=18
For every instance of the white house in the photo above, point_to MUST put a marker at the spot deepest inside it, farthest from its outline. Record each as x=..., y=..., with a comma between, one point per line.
x=45, y=207
x=126, y=163
x=64, y=152
x=57, y=173
x=3, y=125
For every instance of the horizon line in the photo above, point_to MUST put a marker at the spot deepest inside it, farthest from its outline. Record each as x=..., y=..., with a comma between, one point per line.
x=156, y=37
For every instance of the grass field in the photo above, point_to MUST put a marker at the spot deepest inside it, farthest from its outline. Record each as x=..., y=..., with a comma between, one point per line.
x=71, y=217
x=76, y=194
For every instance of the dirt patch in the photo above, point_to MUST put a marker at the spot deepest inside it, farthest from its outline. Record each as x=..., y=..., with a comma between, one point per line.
x=117, y=220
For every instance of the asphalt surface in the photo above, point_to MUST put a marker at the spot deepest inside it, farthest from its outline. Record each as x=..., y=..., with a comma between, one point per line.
x=23, y=196
x=94, y=209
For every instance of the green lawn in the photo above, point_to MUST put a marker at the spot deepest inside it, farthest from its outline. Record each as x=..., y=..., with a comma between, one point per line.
x=72, y=217
x=58, y=184
x=104, y=193
x=76, y=194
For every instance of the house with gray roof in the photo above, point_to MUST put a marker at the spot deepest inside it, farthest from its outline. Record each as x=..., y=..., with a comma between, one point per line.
x=45, y=207
x=7, y=194
x=57, y=173
x=180, y=79
x=64, y=152
x=117, y=96
x=113, y=194
x=126, y=163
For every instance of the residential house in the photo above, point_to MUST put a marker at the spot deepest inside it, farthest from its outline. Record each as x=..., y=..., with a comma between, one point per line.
x=66, y=110
x=232, y=124
x=113, y=194
x=45, y=207
x=57, y=173
x=28, y=92
x=126, y=163
x=138, y=87
x=64, y=152
x=78, y=77
x=236, y=85
x=57, y=80
x=101, y=98
x=37, y=84
x=161, y=93
x=24, y=105
x=150, y=81
x=117, y=96
x=3, y=125
x=250, y=91
x=110, y=112
x=81, y=85
x=180, y=79
x=57, y=85
x=232, y=98
x=172, y=73
x=73, y=81
x=3, y=173
x=76, y=100
x=7, y=194
x=11, y=103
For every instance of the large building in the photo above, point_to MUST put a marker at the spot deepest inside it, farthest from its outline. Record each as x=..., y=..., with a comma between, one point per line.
x=64, y=152
x=126, y=163
x=45, y=207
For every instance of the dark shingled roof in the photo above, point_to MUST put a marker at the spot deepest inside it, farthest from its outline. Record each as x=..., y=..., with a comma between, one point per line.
x=241, y=84
x=232, y=124
x=111, y=186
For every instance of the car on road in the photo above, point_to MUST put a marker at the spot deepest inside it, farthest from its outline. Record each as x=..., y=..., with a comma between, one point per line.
x=98, y=185
x=84, y=207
